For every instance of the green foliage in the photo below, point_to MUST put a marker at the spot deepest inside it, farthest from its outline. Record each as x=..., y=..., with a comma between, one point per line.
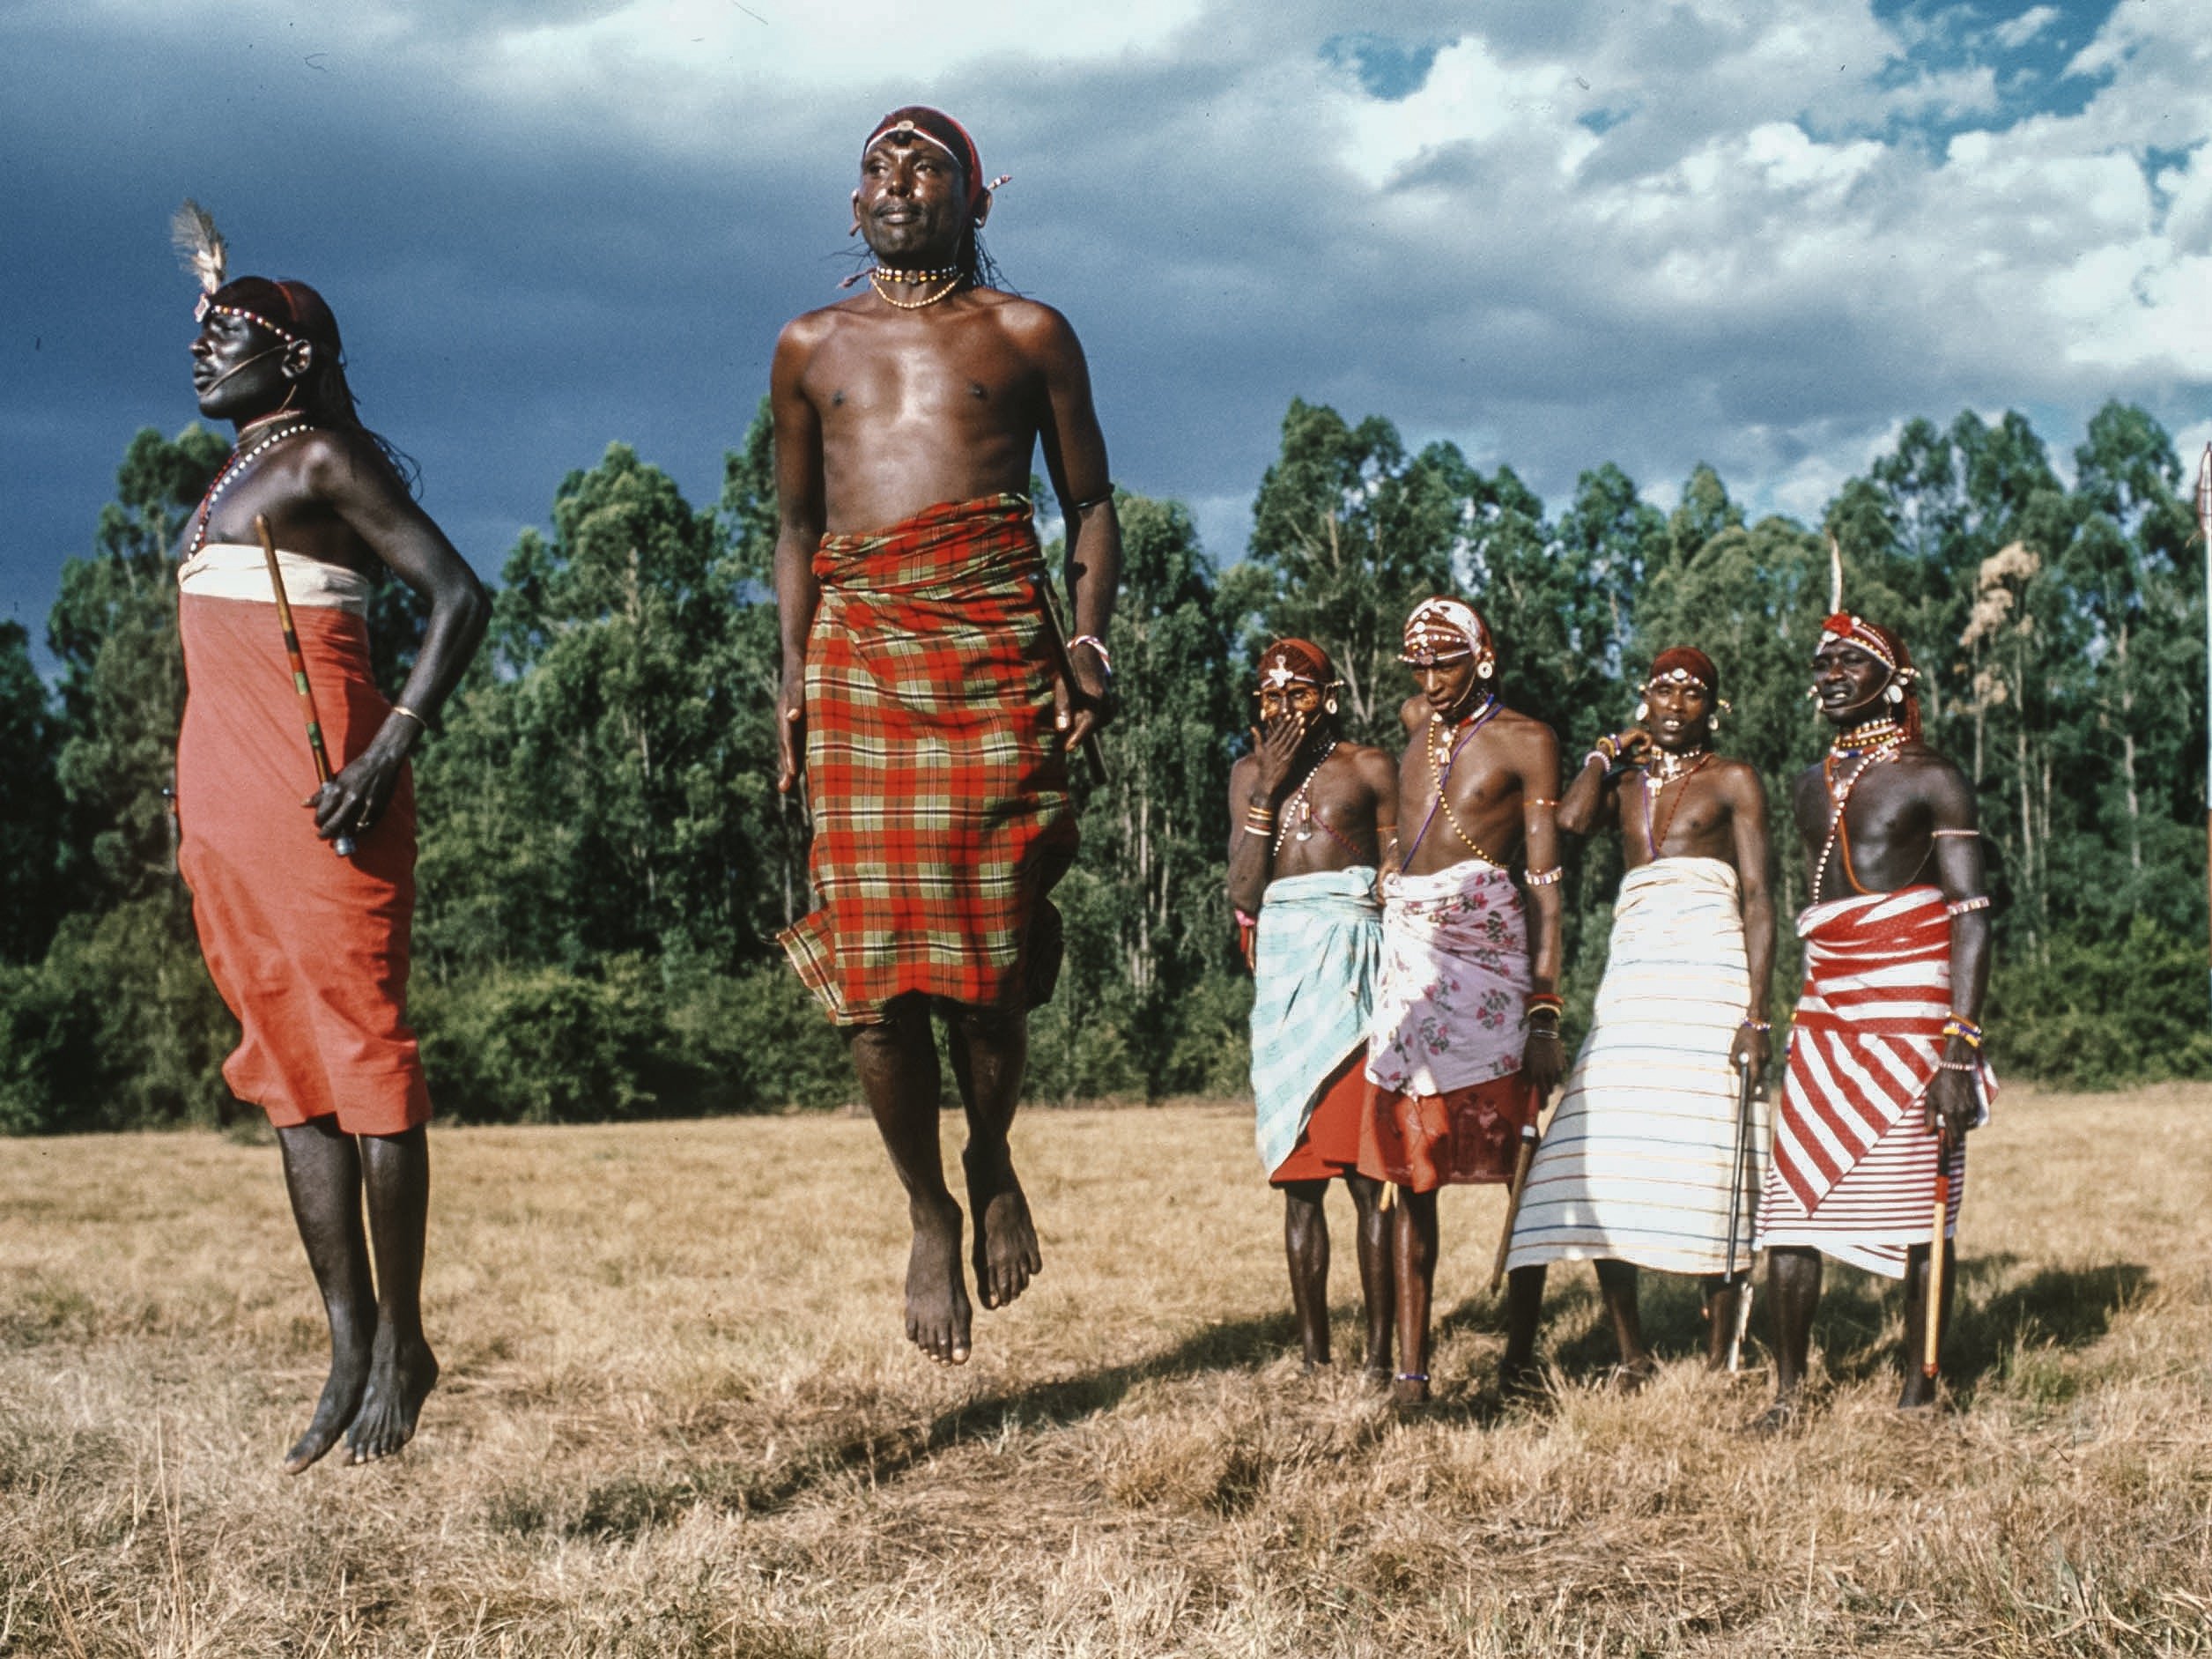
x=604, y=858
x=30, y=804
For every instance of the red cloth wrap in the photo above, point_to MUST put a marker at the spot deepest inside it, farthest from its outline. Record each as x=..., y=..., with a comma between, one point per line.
x=1328, y=1146
x=1470, y=1137
x=937, y=783
x=309, y=950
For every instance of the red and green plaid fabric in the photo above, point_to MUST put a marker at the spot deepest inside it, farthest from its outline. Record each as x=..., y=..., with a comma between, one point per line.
x=937, y=783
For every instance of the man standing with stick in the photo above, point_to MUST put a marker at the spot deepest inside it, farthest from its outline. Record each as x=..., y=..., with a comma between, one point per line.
x=1466, y=1040
x=1314, y=817
x=926, y=691
x=310, y=950
x=1644, y=1164
x=1885, y=1071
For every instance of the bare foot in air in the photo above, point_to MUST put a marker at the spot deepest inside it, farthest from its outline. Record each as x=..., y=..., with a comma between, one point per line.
x=341, y=1398
x=937, y=1309
x=401, y=1377
x=1006, y=1253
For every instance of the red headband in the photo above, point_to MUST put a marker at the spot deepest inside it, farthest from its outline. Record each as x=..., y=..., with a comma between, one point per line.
x=1887, y=649
x=1300, y=661
x=934, y=126
x=1685, y=662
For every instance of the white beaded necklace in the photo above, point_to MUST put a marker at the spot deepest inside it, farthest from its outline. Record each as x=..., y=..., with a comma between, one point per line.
x=1297, y=804
x=228, y=475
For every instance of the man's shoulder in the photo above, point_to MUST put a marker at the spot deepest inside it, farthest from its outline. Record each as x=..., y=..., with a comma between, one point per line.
x=809, y=329
x=1031, y=322
x=1521, y=727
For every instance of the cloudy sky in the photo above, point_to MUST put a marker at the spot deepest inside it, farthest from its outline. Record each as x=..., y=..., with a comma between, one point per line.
x=1760, y=233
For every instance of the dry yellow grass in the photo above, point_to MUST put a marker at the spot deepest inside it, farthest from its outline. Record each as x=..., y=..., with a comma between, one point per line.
x=678, y=1418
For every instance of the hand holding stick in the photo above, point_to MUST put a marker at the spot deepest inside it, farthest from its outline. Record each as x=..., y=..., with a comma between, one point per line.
x=343, y=846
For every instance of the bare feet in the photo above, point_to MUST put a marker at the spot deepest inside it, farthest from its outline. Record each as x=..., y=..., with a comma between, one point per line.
x=1633, y=1376
x=1006, y=1253
x=937, y=1290
x=401, y=1376
x=1519, y=1384
x=341, y=1397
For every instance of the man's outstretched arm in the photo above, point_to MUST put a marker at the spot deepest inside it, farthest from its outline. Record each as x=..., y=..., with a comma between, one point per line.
x=1076, y=461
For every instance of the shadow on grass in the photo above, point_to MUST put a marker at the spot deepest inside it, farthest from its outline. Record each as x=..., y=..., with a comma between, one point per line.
x=627, y=1504
x=1856, y=1326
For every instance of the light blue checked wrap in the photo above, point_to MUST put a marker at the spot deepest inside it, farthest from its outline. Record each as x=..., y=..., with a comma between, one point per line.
x=1315, y=958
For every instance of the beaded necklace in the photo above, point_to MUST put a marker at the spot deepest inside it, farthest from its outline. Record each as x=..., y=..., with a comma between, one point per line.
x=1679, y=770
x=884, y=293
x=1297, y=806
x=1878, y=742
x=227, y=474
x=1440, y=765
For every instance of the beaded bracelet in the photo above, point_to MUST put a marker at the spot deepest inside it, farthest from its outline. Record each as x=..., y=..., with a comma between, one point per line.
x=1959, y=908
x=1751, y=1024
x=1544, y=877
x=1106, y=660
x=1955, y=1065
x=1551, y=1000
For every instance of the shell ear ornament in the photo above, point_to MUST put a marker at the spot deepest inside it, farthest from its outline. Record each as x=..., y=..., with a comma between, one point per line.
x=1642, y=711
x=1482, y=670
x=1895, y=693
x=1329, y=704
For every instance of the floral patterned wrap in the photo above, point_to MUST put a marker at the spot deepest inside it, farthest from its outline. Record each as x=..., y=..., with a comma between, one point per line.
x=1452, y=1006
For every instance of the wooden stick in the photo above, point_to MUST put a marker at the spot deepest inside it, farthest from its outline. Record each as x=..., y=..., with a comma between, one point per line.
x=1512, y=1203
x=1737, y=1172
x=343, y=846
x=1933, y=1340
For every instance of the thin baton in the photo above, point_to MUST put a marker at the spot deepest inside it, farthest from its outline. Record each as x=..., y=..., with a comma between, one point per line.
x=343, y=846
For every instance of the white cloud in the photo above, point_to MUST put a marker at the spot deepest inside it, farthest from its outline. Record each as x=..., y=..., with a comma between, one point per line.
x=2016, y=32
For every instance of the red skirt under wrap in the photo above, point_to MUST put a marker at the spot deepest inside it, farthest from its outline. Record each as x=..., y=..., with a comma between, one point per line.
x=937, y=784
x=1470, y=1137
x=309, y=950
x=1328, y=1146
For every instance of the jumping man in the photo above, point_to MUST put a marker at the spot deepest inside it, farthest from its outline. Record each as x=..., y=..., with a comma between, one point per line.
x=925, y=692
x=310, y=950
x=1314, y=817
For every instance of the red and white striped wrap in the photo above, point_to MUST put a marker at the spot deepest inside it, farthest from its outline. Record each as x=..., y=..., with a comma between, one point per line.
x=1855, y=1168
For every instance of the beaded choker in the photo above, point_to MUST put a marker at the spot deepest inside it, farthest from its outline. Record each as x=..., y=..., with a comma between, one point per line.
x=892, y=273
x=1875, y=734
x=883, y=293
x=1671, y=765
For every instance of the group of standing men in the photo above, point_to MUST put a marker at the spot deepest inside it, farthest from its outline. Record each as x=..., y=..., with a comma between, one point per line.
x=929, y=700
x=1405, y=1025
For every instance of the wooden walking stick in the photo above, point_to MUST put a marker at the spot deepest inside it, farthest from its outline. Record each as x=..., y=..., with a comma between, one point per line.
x=343, y=846
x=1933, y=1340
x=1512, y=1203
x=1735, y=1215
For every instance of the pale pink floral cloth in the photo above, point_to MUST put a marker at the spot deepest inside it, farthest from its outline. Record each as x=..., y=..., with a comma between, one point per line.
x=1452, y=1002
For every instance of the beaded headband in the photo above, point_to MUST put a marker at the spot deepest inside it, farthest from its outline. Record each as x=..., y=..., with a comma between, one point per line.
x=1288, y=662
x=1844, y=628
x=935, y=127
x=1442, y=630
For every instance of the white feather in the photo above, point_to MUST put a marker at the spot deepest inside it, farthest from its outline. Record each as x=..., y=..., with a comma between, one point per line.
x=200, y=245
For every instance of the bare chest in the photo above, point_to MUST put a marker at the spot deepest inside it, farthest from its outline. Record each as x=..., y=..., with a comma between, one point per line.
x=963, y=375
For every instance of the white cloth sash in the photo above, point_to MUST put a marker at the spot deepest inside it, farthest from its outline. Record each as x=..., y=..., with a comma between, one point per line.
x=233, y=570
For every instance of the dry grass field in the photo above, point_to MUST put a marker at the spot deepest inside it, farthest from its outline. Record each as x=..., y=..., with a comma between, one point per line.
x=678, y=1418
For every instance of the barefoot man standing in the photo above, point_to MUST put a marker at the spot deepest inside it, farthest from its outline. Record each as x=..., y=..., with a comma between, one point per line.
x=1314, y=817
x=1885, y=1072
x=925, y=691
x=310, y=950
x=1640, y=1167
x=1465, y=1044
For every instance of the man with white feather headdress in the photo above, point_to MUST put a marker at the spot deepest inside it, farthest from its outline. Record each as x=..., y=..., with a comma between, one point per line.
x=305, y=921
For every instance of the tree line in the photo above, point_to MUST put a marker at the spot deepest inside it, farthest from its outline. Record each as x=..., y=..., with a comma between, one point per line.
x=604, y=857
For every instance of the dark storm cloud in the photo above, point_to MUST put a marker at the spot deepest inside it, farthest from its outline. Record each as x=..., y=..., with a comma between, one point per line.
x=1572, y=235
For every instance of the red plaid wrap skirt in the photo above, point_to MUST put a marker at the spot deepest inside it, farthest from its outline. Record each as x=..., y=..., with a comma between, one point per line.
x=937, y=783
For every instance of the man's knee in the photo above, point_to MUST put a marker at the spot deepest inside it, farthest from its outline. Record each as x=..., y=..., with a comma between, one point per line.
x=990, y=1027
